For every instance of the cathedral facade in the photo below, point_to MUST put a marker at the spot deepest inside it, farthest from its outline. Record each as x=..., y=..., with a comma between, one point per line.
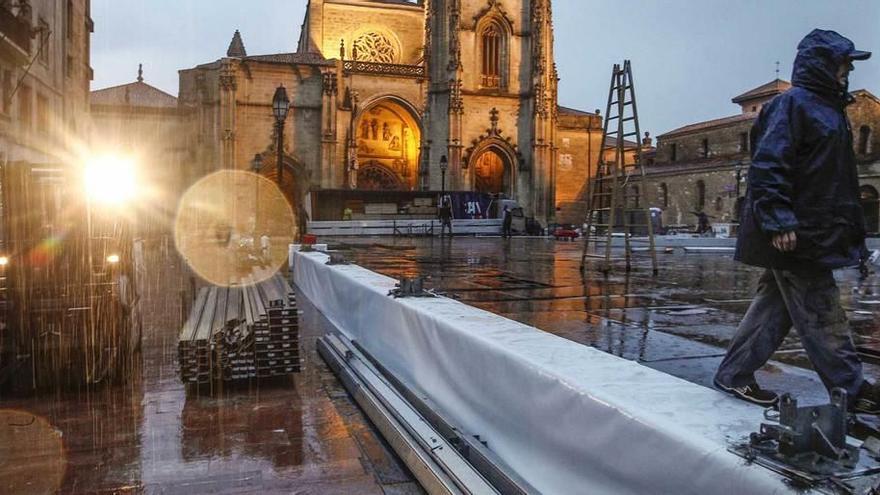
x=389, y=98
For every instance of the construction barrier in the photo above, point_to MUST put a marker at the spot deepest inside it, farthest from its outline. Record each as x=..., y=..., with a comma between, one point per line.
x=565, y=417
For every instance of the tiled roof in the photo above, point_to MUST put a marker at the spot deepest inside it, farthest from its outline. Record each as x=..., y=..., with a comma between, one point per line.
x=773, y=87
x=865, y=92
x=571, y=111
x=612, y=141
x=137, y=94
x=290, y=58
x=709, y=124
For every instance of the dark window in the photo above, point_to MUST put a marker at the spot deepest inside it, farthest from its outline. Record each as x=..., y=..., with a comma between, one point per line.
x=492, y=44
x=701, y=195
x=705, y=147
x=42, y=114
x=44, y=41
x=754, y=108
x=634, y=194
x=70, y=19
x=673, y=152
x=69, y=68
x=25, y=115
x=744, y=142
x=664, y=195
x=864, y=140
x=6, y=90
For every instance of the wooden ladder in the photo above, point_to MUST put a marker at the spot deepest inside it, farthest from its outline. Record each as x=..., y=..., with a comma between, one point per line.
x=616, y=197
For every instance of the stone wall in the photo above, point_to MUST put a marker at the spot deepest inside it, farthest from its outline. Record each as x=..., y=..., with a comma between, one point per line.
x=718, y=171
x=724, y=141
x=683, y=197
x=580, y=142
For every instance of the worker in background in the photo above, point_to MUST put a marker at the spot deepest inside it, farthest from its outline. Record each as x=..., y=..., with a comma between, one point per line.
x=266, y=247
x=801, y=219
x=346, y=213
x=506, y=222
x=445, y=213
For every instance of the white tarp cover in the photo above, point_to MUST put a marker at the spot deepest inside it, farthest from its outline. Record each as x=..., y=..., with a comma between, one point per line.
x=568, y=418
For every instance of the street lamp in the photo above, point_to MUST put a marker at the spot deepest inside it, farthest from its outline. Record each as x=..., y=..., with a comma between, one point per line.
x=280, y=107
x=444, y=163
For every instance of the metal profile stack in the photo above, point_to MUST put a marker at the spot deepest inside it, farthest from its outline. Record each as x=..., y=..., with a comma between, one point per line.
x=277, y=343
x=241, y=332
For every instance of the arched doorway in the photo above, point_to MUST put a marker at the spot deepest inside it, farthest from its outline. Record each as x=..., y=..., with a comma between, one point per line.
x=871, y=206
x=388, y=136
x=492, y=173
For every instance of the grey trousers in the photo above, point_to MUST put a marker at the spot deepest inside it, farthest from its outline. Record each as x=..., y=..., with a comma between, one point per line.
x=810, y=302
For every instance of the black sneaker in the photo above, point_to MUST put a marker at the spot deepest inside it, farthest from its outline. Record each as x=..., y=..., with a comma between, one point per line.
x=867, y=401
x=752, y=393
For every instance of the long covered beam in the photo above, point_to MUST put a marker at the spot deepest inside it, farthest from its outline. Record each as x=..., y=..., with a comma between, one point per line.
x=565, y=417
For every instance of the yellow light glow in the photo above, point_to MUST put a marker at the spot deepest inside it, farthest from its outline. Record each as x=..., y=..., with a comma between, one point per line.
x=113, y=258
x=110, y=179
x=4, y=260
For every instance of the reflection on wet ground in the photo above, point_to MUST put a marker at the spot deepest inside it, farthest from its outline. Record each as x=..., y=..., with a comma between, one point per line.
x=679, y=322
x=293, y=435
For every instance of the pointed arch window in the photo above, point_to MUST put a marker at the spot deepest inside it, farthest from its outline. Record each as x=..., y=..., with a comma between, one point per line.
x=493, y=50
x=864, y=140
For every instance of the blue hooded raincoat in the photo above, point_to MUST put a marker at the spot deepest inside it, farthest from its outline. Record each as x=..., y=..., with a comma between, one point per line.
x=803, y=176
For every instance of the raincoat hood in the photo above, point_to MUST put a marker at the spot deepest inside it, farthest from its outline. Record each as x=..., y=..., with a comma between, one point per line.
x=819, y=56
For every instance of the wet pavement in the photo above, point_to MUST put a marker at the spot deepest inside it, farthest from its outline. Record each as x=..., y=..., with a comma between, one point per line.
x=679, y=322
x=300, y=434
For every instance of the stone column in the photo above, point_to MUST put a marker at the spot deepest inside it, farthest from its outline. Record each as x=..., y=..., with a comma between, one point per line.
x=228, y=86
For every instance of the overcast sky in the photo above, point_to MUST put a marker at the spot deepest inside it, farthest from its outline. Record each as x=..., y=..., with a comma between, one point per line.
x=690, y=57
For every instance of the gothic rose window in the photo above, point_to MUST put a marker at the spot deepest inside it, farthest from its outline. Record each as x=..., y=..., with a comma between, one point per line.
x=374, y=47
x=492, y=50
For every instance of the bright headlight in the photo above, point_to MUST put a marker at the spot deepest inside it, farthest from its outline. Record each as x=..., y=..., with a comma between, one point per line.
x=4, y=260
x=113, y=259
x=110, y=179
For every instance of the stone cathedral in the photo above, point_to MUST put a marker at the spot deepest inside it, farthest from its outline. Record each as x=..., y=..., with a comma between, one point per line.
x=382, y=91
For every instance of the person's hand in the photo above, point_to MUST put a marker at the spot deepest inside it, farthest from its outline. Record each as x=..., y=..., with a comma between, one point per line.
x=785, y=241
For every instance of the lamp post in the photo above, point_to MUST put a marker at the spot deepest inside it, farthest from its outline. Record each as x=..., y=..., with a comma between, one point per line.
x=444, y=163
x=280, y=107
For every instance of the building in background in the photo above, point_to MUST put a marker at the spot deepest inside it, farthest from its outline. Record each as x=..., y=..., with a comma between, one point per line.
x=142, y=121
x=44, y=81
x=382, y=91
x=703, y=167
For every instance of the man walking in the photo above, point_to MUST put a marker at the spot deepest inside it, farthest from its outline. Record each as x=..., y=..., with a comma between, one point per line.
x=801, y=219
x=445, y=212
x=506, y=223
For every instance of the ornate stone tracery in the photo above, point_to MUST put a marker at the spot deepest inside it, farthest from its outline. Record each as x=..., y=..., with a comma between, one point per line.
x=494, y=137
x=374, y=46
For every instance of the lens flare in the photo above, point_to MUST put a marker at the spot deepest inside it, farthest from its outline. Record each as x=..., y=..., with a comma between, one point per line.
x=234, y=224
x=32, y=440
x=110, y=180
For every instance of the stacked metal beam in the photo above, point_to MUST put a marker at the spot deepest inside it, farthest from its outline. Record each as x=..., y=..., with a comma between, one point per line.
x=277, y=342
x=240, y=332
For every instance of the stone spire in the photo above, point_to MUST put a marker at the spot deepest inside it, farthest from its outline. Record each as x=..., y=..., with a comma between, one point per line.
x=236, y=46
x=140, y=72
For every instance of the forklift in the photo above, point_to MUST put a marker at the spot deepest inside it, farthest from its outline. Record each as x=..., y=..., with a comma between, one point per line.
x=70, y=275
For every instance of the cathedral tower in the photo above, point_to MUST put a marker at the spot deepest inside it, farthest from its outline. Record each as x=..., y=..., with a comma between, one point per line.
x=492, y=98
